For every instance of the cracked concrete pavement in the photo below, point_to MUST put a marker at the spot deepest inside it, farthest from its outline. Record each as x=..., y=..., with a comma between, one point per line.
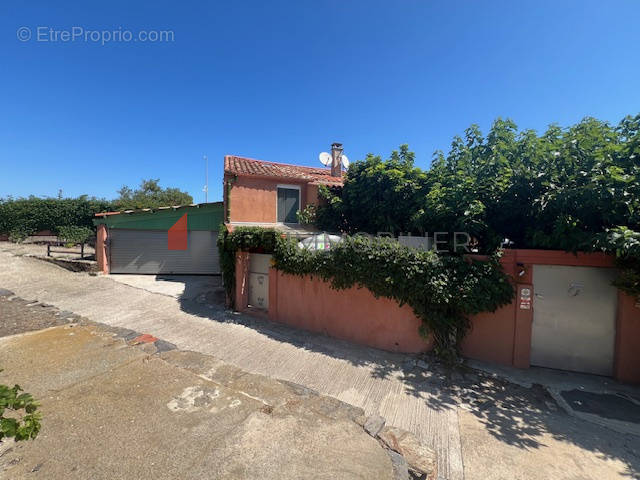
x=507, y=434
x=111, y=410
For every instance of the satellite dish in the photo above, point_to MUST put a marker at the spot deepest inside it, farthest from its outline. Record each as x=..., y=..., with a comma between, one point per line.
x=345, y=161
x=325, y=158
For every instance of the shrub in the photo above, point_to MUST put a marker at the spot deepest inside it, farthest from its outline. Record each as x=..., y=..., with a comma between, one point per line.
x=74, y=234
x=34, y=214
x=307, y=216
x=18, y=426
x=19, y=234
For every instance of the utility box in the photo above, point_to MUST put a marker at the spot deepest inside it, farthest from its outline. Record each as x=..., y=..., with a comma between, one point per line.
x=259, y=280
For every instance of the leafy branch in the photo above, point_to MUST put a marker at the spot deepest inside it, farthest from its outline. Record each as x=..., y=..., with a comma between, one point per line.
x=20, y=426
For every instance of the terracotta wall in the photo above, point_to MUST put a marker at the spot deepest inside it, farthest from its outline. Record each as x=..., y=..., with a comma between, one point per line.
x=353, y=314
x=101, y=249
x=502, y=337
x=254, y=199
x=627, y=359
x=242, y=281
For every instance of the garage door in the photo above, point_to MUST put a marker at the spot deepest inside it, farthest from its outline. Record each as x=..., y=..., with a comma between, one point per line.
x=145, y=251
x=574, y=314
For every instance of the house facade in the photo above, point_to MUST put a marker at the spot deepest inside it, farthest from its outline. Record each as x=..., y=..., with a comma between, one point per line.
x=270, y=194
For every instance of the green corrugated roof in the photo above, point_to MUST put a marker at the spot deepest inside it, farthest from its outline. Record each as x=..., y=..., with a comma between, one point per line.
x=204, y=216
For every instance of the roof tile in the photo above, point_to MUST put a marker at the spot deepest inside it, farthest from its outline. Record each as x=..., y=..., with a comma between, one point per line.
x=250, y=167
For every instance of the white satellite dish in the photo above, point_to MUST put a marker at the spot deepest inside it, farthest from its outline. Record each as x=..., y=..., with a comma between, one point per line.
x=325, y=158
x=345, y=161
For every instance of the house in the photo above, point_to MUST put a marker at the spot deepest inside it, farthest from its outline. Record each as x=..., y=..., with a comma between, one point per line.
x=270, y=194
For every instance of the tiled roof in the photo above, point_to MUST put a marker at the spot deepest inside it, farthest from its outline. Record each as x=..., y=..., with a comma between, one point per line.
x=247, y=166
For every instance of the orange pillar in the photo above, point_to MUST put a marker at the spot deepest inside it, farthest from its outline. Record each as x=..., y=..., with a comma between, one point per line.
x=627, y=356
x=101, y=249
x=242, y=281
x=273, y=294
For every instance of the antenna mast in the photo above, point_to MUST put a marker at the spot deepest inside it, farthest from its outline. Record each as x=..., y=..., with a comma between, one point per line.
x=206, y=179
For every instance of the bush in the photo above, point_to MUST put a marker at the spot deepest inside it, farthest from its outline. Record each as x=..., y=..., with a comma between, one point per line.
x=307, y=216
x=18, y=426
x=34, y=214
x=19, y=234
x=74, y=234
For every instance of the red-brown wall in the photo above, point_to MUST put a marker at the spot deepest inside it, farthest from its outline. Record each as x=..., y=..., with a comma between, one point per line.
x=502, y=337
x=627, y=357
x=101, y=249
x=353, y=314
x=254, y=199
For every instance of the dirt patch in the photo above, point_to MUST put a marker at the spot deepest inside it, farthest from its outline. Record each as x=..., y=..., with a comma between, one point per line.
x=20, y=316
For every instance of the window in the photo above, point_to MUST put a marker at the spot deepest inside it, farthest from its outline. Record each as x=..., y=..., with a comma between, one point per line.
x=288, y=204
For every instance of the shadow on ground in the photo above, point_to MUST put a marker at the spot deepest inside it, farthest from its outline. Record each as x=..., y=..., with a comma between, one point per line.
x=513, y=414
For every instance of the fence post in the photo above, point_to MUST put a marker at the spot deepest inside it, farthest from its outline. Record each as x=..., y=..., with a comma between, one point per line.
x=82, y=251
x=48, y=249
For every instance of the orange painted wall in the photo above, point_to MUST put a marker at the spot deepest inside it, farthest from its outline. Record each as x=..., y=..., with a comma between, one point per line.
x=101, y=249
x=492, y=334
x=254, y=199
x=502, y=337
x=353, y=314
x=627, y=359
x=242, y=281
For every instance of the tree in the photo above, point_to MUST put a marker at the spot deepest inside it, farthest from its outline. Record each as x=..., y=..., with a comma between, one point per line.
x=149, y=195
x=559, y=190
x=378, y=195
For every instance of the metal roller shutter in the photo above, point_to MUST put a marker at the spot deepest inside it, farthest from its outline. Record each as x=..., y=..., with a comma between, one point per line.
x=145, y=251
x=574, y=316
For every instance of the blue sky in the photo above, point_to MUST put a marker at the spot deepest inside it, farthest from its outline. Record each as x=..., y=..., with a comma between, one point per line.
x=282, y=80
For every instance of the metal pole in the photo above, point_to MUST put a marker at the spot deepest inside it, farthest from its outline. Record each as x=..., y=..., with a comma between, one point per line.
x=206, y=179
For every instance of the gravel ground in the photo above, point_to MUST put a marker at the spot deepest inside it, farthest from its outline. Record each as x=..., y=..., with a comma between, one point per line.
x=36, y=249
x=18, y=315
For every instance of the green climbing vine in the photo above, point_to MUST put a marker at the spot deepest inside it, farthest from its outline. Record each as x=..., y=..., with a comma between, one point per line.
x=442, y=290
x=248, y=239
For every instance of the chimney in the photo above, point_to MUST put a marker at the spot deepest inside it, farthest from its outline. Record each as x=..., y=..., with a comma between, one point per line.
x=336, y=159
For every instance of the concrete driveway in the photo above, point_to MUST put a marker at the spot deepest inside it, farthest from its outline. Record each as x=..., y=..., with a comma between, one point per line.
x=113, y=410
x=479, y=426
x=176, y=286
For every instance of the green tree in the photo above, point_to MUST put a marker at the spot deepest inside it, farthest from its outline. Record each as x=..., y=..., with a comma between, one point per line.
x=378, y=195
x=149, y=195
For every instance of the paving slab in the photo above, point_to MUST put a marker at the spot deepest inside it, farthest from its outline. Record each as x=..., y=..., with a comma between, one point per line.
x=112, y=411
